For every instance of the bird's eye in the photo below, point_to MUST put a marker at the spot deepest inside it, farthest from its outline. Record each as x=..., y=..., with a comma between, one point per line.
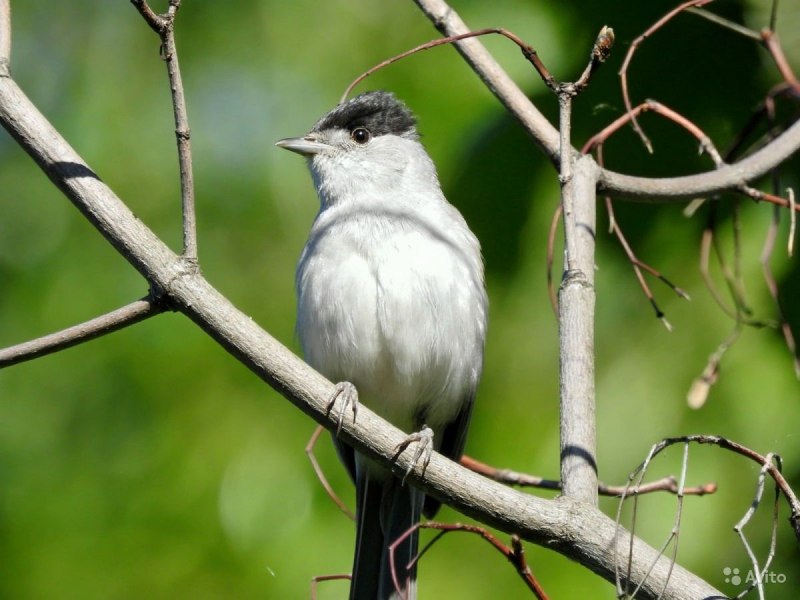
x=360, y=135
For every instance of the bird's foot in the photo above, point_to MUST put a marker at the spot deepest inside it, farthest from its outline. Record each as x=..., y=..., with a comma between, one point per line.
x=349, y=395
x=424, y=439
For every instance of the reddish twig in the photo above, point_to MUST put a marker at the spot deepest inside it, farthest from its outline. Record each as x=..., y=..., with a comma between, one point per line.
x=514, y=554
x=623, y=72
x=528, y=52
x=596, y=142
x=706, y=144
x=638, y=266
x=599, y=54
x=760, y=196
x=321, y=474
x=509, y=477
x=320, y=578
x=771, y=43
x=551, y=244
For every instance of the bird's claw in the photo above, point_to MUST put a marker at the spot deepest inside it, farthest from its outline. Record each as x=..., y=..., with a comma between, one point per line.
x=424, y=439
x=349, y=394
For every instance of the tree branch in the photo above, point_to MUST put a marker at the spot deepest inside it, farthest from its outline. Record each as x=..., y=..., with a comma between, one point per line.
x=72, y=336
x=574, y=529
x=672, y=189
x=164, y=26
x=5, y=37
x=447, y=21
x=576, y=301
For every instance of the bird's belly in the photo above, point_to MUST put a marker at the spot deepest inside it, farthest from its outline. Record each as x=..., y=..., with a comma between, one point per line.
x=399, y=326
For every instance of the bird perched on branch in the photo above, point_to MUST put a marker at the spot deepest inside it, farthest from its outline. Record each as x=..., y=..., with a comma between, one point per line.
x=391, y=300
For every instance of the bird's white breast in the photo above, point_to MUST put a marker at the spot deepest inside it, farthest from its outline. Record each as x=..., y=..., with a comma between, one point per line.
x=391, y=298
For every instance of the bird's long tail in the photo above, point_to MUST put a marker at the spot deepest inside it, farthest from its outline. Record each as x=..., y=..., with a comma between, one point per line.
x=385, y=510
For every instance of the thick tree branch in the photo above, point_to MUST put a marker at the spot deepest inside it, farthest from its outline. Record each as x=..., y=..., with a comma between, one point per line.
x=672, y=189
x=574, y=529
x=576, y=301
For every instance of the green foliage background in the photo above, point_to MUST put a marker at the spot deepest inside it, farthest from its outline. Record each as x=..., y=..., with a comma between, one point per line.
x=150, y=464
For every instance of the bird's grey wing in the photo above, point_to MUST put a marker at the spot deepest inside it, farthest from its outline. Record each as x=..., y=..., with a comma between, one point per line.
x=453, y=438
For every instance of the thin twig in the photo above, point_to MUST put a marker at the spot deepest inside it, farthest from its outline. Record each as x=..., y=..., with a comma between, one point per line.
x=509, y=477
x=317, y=579
x=773, y=15
x=155, y=21
x=321, y=474
x=514, y=554
x=164, y=26
x=705, y=142
x=772, y=44
x=527, y=51
x=635, y=263
x=761, y=196
x=77, y=334
x=738, y=528
x=772, y=287
x=551, y=245
x=601, y=50
x=708, y=242
x=698, y=392
x=792, y=222
x=623, y=72
x=726, y=23
x=772, y=469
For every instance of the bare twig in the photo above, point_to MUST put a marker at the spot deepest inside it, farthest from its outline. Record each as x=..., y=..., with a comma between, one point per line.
x=321, y=474
x=551, y=245
x=601, y=50
x=509, y=477
x=772, y=44
x=792, y=222
x=99, y=326
x=164, y=26
x=674, y=533
x=614, y=228
x=772, y=287
x=514, y=554
x=771, y=463
x=528, y=52
x=317, y=579
x=748, y=515
x=673, y=189
x=726, y=23
x=599, y=54
x=760, y=196
x=623, y=72
x=706, y=145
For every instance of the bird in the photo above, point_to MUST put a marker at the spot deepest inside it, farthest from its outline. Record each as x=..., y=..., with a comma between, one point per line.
x=392, y=305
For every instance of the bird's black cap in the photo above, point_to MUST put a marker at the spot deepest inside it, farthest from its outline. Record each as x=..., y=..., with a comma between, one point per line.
x=379, y=112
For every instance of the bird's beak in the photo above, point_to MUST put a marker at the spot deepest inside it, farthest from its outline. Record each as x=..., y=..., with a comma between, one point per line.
x=307, y=146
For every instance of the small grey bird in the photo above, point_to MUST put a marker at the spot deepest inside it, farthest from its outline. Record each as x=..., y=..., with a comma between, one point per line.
x=391, y=298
